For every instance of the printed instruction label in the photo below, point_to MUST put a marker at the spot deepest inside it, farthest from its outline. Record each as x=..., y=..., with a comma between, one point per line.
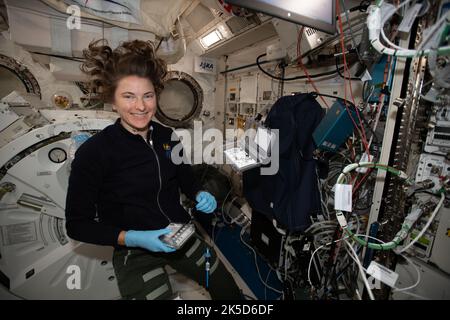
x=382, y=274
x=19, y=233
x=343, y=197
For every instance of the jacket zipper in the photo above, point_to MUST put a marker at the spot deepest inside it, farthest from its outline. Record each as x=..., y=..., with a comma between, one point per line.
x=150, y=144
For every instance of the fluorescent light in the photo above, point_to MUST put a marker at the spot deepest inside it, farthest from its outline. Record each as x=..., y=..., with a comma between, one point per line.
x=211, y=38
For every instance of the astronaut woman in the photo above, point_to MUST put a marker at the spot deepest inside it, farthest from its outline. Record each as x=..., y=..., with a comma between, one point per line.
x=124, y=188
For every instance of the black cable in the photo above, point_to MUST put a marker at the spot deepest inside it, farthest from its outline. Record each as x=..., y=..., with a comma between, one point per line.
x=159, y=44
x=82, y=87
x=363, y=5
x=59, y=56
x=315, y=93
x=337, y=66
x=340, y=73
x=330, y=265
x=4, y=18
x=318, y=75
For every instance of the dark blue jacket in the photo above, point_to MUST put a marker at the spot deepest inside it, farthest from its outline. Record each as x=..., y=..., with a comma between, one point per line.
x=291, y=196
x=114, y=185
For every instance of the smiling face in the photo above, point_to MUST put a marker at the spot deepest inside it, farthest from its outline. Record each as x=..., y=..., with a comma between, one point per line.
x=135, y=101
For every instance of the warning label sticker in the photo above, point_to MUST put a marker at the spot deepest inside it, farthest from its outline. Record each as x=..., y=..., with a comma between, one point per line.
x=19, y=233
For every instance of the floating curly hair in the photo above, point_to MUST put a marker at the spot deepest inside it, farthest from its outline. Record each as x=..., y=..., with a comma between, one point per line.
x=106, y=67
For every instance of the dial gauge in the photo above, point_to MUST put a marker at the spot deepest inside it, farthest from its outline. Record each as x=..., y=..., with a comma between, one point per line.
x=57, y=155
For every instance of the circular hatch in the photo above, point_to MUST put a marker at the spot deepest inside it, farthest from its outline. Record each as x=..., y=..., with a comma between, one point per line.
x=181, y=100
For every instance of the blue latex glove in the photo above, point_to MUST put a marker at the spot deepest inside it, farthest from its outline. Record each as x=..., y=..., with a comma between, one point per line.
x=206, y=202
x=148, y=240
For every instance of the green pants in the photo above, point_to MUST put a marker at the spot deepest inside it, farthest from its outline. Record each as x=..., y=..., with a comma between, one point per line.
x=141, y=274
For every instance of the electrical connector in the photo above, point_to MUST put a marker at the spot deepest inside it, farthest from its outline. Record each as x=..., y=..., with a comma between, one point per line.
x=403, y=175
x=341, y=219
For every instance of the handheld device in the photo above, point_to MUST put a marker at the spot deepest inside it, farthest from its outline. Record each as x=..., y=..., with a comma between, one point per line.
x=178, y=235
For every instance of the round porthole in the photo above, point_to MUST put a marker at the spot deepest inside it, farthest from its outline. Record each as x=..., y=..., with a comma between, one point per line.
x=16, y=76
x=181, y=100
